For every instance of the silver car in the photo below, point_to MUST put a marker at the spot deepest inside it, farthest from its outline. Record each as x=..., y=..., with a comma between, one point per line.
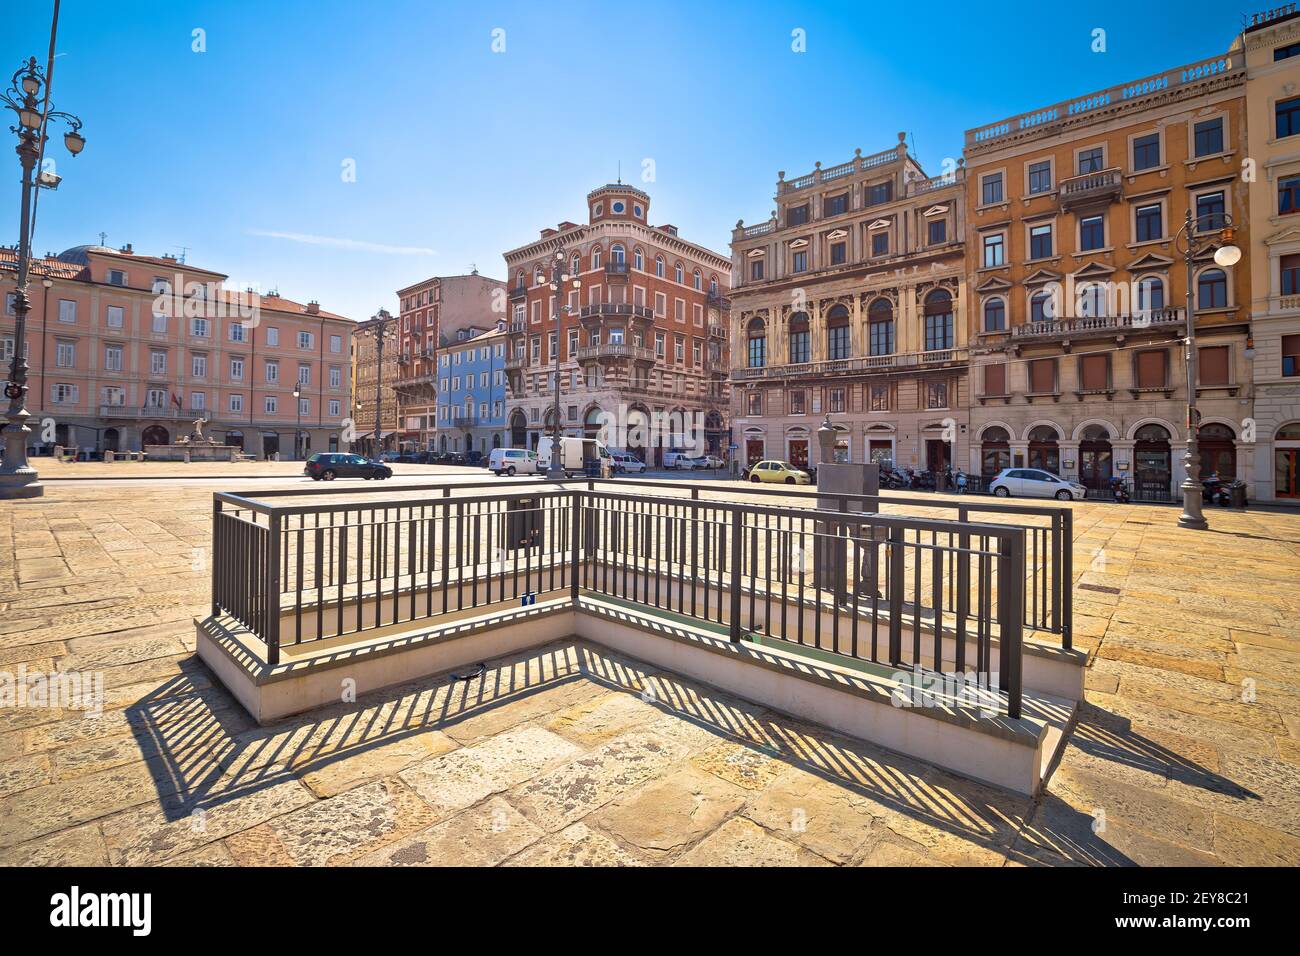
x=1035, y=483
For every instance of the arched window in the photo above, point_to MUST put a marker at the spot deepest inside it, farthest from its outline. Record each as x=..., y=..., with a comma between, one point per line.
x=1150, y=294
x=519, y=278
x=1212, y=289
x=638, y=260
x=995, y=451
x=1044, y=452
x=1093, y=300
x=1042, y=306
x=995, y=315
x=659, y=266
x=799, y=345
x=756, y=344
x=938, y=320
x=837, y=332
x=880, y=324
x=616, y=254
x=575, y=265
x=595, y=258
x=679, y=274
x=697, y=280
x=713, y=285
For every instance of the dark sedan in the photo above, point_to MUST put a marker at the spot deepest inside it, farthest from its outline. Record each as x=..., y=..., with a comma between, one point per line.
x=329, y=467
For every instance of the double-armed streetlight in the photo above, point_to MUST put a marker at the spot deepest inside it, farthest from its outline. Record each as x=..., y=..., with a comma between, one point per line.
x=559, y=279
x=381, y=328
x=28, y=97
x=1198, y=235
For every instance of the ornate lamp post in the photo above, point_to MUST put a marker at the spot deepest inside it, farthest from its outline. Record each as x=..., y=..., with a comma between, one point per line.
x=1197, y=236
x=381, y=330
x=27, y=97
x=558, y=279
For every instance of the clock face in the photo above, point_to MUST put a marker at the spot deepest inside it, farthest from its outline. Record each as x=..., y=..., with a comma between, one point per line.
x=618, y=207
x=637, y=210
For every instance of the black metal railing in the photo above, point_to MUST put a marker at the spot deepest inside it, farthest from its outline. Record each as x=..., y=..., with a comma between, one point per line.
x=900, y=591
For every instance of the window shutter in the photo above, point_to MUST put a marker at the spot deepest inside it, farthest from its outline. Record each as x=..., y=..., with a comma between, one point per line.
x=1151, y=369
x=1094, y=372
x=1214, y=365
x=1042, y=375
x=995, y=379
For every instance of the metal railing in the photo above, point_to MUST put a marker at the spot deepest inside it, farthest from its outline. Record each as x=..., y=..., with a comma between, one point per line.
x=899, y=591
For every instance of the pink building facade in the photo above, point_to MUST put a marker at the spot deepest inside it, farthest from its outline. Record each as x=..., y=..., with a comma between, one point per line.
x=126, y=350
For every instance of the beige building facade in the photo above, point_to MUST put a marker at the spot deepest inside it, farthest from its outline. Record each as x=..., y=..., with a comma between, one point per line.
x=847, y=302
x=1272, y=52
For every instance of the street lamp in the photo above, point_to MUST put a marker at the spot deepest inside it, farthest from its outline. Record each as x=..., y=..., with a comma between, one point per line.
x=297, y=428
x=18, y=479
x=381, y=330
x=1193, y=240
x=558, y=279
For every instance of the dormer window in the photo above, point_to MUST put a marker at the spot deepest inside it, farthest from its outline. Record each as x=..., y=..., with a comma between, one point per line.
x=116, y=277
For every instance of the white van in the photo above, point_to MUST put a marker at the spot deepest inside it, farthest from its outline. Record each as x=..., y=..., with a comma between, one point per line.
x=576, y=456
x=513, y=461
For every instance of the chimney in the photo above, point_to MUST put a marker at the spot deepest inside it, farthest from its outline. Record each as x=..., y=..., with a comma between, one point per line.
x=548, y=232
x=313, y=307
x=127, y=249
x=669, y=228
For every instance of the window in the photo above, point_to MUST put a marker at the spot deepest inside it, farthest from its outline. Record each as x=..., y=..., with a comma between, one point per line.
x=839, y=253
x=336, y=343
x=198, y=401
x=1093, y=299
x=995, y=379
x=1042, y=308
x=336, y=377
x=1150, y=294
x=757, y=345
x=1153, y=369
x=991, y=189
x=304, y=406
x=304, y=374
x=63, y=393
x=1288, y=117
x=272, y=335
x=113, y=358
x=1092, y=160
x=835, y=399
x=1209, y=212
x=836, y=205
x=116, y=277
x=880, y=193
x=799, y=261
x=936, y=394
x=1212, y=365
x=158, y=363
x=1040, y=177
x=799, y=342
x=1150, y=223
x=68, y=311
x=1288, y=195
x=1212, y=289
x=1092, y=233
x=156, y=398
x=1042, y=376
x=1094, y=372
x=272, y=372
x=1207, y=137
x=659, y=266
x=159, y=325
x=837, y=333
x=880, y=244
x=1040, y=241
x=994, y=250
x=305, y=340
x=1291, y=355
x=799, y=402
x=1146, y=152
x=995, y=316
x=236, y=368
x=270, y=405
x=237, y=332
x=797, y=215
x=113, y=316
x=11, y=299
x=661, y=344
x=880, y=324
x=755, y=269
x=114, y=396
x=199, y=328
x=938, y=229
x=938, y=320
x=199, y=366
x=335, y=408
x=1289, y=269
x=1286, y=52
x=880, y=398
x=754, y=403
x=65, y=355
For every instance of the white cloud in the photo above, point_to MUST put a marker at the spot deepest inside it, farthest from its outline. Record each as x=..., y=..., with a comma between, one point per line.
x=336, y=243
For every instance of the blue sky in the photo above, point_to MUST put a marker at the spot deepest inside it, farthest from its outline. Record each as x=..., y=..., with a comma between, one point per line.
x=461, y=153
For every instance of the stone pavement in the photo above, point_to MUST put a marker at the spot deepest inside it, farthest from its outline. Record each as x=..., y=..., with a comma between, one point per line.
x=1187, y=751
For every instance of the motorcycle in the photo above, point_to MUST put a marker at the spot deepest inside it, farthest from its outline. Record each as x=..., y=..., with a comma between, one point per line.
x=1119, y=489
x=1214, y=490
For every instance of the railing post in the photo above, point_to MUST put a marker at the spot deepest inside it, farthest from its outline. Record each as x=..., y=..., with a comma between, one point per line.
x=1067, y=578
x=217, y=551
x=963, y=586
x=575, y=539
x=897, y=557
x=737, y=557
x=271, y=599
x=1011, y=615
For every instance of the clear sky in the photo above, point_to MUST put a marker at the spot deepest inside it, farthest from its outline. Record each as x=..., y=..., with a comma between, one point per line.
x=461, y=152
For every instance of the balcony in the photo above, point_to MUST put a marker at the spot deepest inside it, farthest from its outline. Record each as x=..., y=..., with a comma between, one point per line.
x=418, y=387
x=894, y=362
x=150, y=411
x=1093, y=325
x=517, y=292
x=467, y=421
x=616, y=352
x=515, y=362
x=616, y=270
x=608, y=309
x=1091, y=190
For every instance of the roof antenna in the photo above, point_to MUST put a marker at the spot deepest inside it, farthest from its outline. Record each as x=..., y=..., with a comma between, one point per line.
x=183, y=249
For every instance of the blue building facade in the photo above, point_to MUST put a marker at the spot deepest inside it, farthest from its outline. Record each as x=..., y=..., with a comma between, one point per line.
x=471, y=410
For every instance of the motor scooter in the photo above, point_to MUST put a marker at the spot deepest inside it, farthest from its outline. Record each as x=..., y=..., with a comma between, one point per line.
x=1119, y=489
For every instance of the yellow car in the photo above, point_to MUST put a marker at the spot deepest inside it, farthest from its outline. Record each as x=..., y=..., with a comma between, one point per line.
x=781, y=472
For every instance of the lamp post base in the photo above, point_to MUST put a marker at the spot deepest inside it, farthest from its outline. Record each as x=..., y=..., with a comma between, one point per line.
x=18, y=479
x=1192, y=517
x=21, y=485
x=556, y=474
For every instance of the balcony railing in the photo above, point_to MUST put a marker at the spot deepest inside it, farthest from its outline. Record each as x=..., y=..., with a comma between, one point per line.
x=516, y=361
x=868, y=363
x=1097, y=324
x=466, y=421
x=616, y=268
x=603, y=309
x=616, y=350
x=149, y=411
x=517, y=292
x=1103, y=186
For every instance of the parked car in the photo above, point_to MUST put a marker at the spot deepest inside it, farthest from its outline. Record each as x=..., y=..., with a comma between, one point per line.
x=691, y=462
x=781, y=472
x=390, y=456
x=474, y=459
x=1035, y=483
x=713, y=461
x=513, y=461
x=331, y=466
x=627, y=464
x=673, y=459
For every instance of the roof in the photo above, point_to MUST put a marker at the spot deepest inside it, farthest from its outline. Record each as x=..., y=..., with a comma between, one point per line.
x=81, y=256
x=45, y=265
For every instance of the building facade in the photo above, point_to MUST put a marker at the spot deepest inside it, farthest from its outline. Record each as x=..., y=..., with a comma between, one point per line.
x=1078, y=281
x=432, y=313
x=128, y=350
x=1272, y=53
x=642, y=339
x=472, y=391
x=375, y=367
x=848, y=302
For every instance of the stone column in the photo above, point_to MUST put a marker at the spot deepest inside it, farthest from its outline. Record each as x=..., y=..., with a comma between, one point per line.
x=1070, y=452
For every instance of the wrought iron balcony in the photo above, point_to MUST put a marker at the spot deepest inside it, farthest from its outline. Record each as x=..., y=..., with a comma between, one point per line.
x=517, y=292
x=616, y=268
x=1080, y=326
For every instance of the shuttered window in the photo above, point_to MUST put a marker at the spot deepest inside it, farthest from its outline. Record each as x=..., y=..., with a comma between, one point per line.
x=1042, y=376
x=995, y=379
x=1094, y=372
x=1213, y=361
x=1151, y=369
x=1291, y=355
